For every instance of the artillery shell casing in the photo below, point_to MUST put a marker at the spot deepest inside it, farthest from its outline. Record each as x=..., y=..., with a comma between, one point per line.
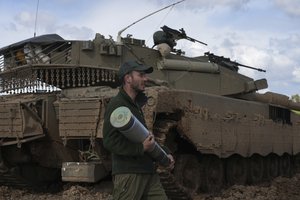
x=122, y=119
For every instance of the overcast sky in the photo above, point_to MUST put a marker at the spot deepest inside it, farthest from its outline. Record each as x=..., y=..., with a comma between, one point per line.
x=259, y=33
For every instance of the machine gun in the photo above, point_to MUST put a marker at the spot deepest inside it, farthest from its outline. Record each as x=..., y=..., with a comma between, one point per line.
x=177, y=35
x=226, y=62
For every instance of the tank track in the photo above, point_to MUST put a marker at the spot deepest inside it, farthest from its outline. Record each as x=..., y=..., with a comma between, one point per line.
x=173, y=188
x=9, y=178
x=20, y=177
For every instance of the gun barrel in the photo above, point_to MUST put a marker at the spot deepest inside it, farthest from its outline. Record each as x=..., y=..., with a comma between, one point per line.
x=177, y=35
x=227, y=61
x=258, y=69
x=194, y=40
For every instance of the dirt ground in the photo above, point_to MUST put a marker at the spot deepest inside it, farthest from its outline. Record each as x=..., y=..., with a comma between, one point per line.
x=279, y=189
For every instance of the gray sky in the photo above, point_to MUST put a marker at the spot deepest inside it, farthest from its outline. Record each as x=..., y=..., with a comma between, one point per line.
x=259, y=33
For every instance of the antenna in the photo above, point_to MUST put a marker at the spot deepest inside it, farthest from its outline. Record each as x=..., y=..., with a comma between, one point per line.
x=36, y=14
x=122, y=30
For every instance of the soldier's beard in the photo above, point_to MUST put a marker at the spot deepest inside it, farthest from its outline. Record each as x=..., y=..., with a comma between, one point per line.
x=136, y=87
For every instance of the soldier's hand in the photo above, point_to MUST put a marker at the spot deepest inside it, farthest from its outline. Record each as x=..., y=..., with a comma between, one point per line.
x=149, y=143
x=172, y=162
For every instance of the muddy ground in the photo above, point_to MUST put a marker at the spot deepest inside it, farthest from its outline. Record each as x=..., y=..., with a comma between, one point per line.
x=279, y=189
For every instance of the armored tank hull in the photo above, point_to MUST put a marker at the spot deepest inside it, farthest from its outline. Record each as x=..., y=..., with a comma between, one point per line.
x=219, y=129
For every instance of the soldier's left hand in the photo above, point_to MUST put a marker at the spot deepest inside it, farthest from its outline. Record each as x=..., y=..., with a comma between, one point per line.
x=172, y=162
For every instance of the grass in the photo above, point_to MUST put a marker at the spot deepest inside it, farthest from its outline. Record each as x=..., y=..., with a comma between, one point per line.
x=297, y=112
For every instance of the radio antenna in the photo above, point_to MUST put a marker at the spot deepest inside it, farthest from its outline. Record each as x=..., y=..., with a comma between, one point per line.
x=121, y=31
x=36, y=15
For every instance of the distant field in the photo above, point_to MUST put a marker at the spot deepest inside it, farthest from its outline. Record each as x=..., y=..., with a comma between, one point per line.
x=298, y=112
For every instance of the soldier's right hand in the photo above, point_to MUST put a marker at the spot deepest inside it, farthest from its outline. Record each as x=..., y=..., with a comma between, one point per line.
x=149, y=143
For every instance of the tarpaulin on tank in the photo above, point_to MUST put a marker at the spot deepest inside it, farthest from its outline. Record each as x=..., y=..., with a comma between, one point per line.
x=43, y=39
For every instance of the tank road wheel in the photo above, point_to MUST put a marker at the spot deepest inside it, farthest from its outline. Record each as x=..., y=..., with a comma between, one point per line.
x=256, y=167
x=236, y=170
x=297, y=162
x=36, y=175
x=272, y=163
x=214, y=174
x=187, y=172
x=285, y=165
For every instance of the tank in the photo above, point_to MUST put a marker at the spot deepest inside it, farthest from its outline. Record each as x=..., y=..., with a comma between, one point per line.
x=219, y=127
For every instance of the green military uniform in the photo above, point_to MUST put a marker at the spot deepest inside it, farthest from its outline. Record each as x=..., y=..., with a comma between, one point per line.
x=133, y=170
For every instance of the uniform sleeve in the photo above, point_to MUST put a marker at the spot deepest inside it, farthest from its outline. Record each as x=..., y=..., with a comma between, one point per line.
x=115, y=141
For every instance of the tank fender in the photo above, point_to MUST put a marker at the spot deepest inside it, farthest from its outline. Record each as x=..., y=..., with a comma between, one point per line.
x=272, y=98
x=224, y=126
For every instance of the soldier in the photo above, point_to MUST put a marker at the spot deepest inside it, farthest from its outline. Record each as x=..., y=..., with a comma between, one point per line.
x=133, y=170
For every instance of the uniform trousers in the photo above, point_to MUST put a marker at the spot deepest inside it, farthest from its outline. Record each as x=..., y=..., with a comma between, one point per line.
x=138, y=187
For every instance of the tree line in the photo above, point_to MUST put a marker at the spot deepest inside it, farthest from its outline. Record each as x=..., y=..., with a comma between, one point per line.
x=295, y=98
